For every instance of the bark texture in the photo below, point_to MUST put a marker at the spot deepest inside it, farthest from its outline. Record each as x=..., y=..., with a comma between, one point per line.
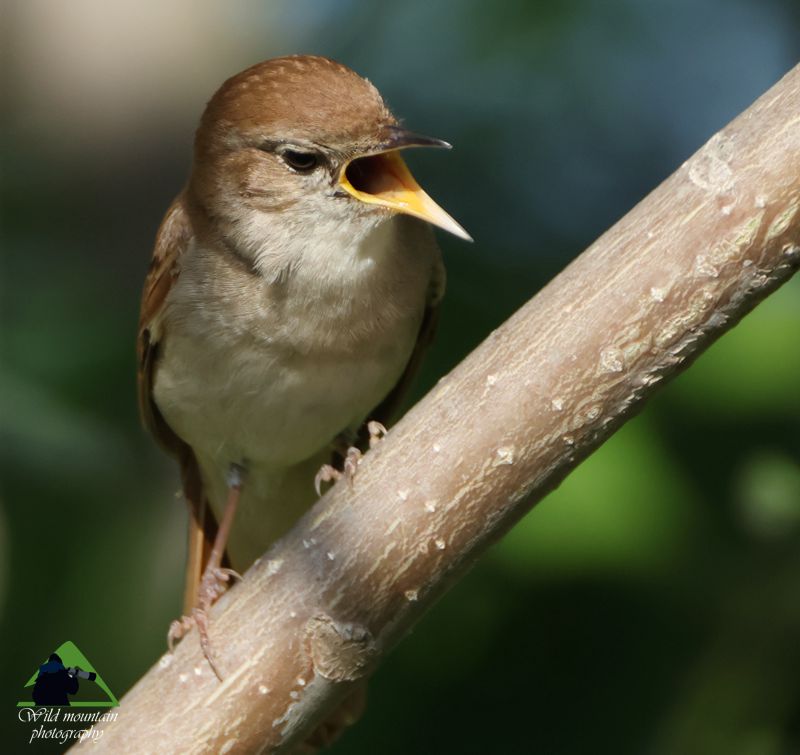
x=316, y=614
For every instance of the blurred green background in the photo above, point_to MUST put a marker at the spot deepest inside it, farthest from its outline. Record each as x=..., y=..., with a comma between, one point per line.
x=650, y=605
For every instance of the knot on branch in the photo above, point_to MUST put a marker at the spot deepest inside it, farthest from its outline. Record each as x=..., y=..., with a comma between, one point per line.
x=340, y=651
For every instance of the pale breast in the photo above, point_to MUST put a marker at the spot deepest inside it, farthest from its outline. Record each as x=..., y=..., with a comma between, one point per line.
x=269, y=373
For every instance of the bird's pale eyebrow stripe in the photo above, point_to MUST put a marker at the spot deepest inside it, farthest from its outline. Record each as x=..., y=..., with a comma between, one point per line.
x=271, y=145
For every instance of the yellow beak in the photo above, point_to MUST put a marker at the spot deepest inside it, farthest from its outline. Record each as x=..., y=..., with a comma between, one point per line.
x=384, y=179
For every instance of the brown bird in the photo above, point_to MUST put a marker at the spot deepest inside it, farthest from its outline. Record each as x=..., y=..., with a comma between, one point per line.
x=293, y=287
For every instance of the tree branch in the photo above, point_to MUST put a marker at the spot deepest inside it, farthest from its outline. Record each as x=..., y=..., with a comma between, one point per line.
x=321, y=609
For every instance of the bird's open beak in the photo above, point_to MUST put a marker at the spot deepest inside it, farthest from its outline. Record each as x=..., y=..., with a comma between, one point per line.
x=382, y=178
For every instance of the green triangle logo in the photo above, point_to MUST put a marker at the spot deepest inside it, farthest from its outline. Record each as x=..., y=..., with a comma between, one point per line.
x=71, y=674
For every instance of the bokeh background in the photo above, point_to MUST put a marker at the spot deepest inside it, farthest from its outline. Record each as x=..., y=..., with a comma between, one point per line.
x=652, y=603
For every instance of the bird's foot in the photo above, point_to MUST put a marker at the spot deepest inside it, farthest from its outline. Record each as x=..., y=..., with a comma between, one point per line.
x=326, y=473
x=212, y=586
x=329, y=473
x=177, y=631
x=215, y=578
x=377, y=432
x=352, y=458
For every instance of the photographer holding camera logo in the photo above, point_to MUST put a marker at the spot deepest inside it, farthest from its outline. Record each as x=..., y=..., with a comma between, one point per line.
x=55, y=681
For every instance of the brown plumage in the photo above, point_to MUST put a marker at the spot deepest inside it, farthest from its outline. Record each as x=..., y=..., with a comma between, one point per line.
x=289, y=299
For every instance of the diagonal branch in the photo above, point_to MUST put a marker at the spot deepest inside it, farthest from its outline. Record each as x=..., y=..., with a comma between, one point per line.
x=319, y=611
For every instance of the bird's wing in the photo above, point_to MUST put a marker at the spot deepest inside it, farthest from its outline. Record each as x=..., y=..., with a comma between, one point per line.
x=172, y=240
x=386, y=410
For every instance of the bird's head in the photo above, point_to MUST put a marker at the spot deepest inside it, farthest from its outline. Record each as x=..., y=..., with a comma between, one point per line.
x=305, y=142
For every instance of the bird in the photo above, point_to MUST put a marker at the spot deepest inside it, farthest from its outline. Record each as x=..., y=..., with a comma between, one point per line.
x=294, y=285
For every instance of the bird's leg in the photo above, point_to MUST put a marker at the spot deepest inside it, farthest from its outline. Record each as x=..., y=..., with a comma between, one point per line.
x=215, y=578
x=352, y=458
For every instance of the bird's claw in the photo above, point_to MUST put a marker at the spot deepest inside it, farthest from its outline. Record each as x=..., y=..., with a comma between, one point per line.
x=352, y=458
x=212, y=585
x=377, y=432
x=326, y=473
x=351, y=462
x=177, y=630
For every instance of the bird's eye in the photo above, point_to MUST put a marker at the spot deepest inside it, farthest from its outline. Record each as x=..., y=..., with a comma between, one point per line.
x=302, y=162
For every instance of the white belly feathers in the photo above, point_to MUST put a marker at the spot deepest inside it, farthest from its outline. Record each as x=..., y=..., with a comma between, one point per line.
x=277, y=376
